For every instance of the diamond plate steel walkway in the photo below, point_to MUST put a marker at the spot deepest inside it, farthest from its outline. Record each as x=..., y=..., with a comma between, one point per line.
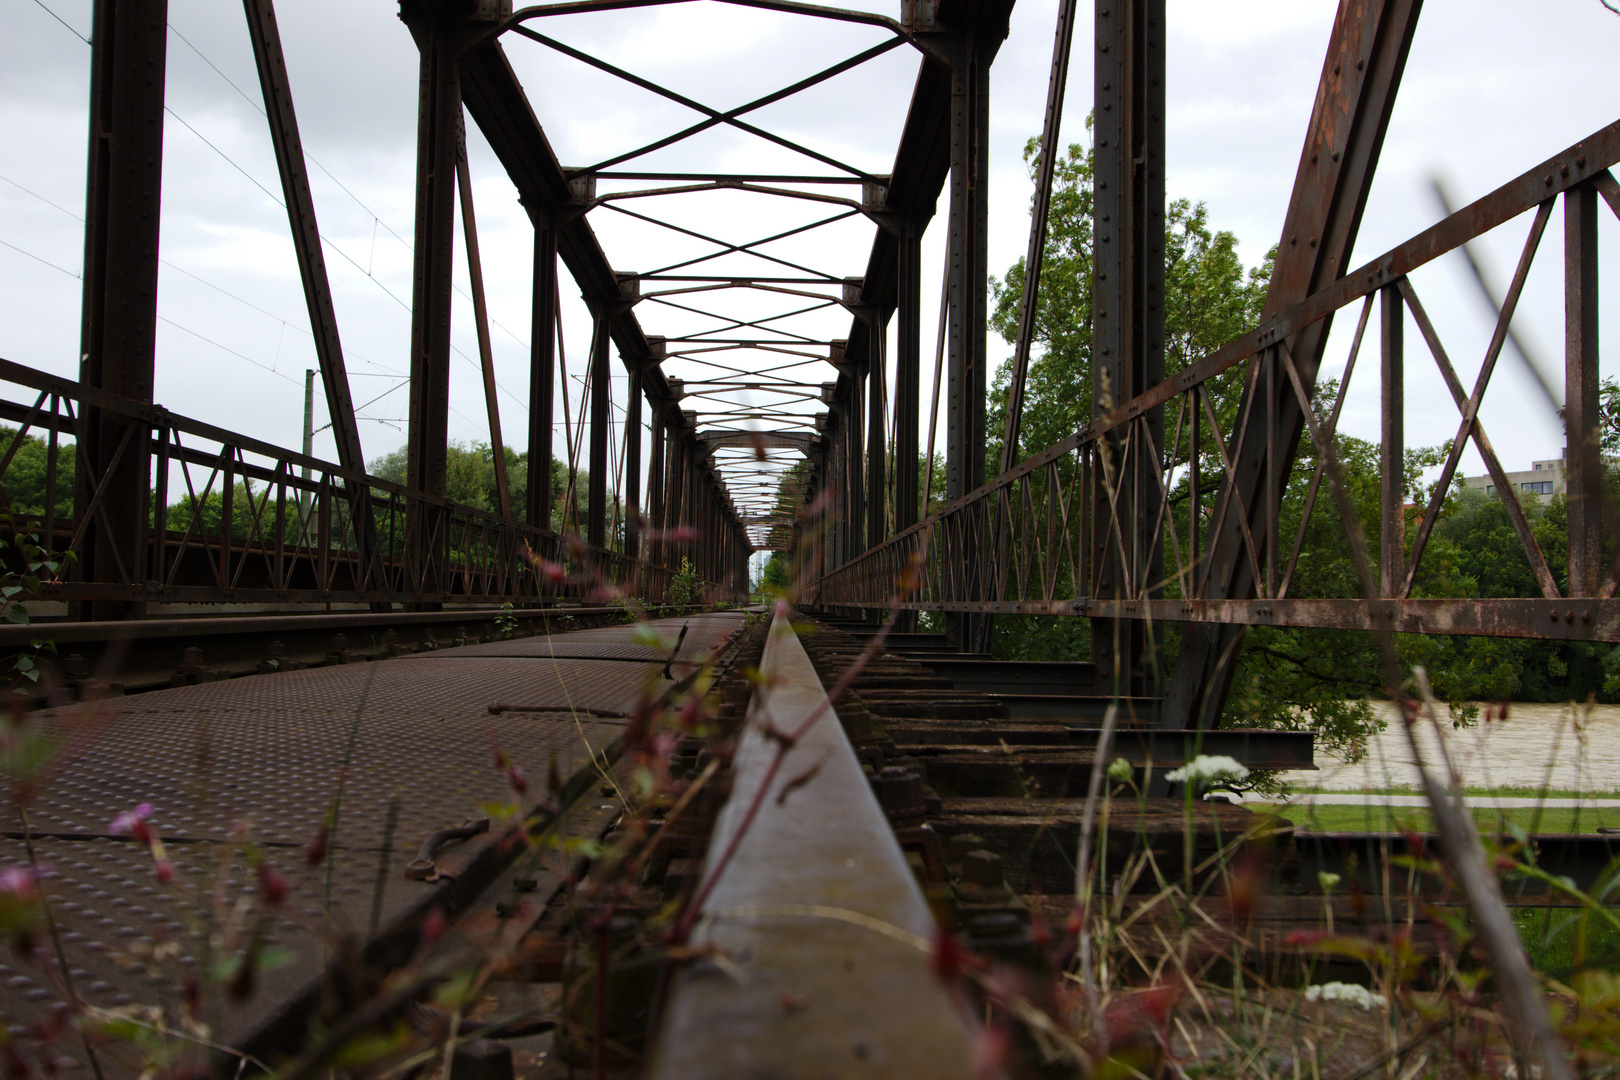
x=395, y=750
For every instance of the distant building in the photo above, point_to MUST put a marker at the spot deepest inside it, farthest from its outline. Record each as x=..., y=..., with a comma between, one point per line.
x=1543, y=479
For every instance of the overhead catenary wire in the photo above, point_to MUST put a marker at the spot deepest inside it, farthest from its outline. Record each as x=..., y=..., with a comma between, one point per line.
x=278, y=201
x=384, y=370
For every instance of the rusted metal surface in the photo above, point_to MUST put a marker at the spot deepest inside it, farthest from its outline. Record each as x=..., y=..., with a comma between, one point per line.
x=118, y=335
x=841, y=925
x=272, y=755
x=705, y=634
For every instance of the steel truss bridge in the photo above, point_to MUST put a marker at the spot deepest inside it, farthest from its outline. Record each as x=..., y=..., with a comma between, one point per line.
x=784, y=435
x=1113, y=523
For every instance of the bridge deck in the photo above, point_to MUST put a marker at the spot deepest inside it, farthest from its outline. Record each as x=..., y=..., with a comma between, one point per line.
x=266, y=759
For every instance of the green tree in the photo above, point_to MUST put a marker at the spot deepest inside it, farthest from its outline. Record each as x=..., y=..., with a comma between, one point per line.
x=776, y=579
x=469, y=474
x=24, y=481
x=1210, y=298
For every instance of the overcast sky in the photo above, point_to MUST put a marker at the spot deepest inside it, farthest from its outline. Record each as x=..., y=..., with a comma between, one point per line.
x=1492, y=89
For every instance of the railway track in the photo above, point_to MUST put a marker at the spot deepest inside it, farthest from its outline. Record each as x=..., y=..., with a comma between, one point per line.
x=689, y=863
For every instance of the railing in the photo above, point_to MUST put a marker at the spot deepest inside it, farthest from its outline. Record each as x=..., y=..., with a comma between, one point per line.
x=1036, y=539
x=260, y=524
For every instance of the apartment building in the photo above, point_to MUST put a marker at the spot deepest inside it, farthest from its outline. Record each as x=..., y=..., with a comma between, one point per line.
x=1543, y=479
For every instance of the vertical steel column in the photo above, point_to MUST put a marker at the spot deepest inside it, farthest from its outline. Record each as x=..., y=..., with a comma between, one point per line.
x=837, y=485
x=632, y=467
x=813, y=563
x=907, y=376
x=877, y=518
x=438, y=122
x=655, y=485
x=486, y=351
x=118, y=331
x=692, y=482
x=601, y=416
x=855, y=510
x=542, y=374
x=967, y=240
x=1128, y=324
x=969, y=267
x=1392, y=450
x=1583, y=464
x=675, y=503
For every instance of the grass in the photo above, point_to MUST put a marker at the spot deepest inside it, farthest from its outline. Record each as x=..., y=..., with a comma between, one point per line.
x=1472, y=792
x=1584, y=819
x=1558, y=943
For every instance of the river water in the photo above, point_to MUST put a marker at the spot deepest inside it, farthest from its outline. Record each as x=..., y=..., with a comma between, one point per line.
x=1566, y=747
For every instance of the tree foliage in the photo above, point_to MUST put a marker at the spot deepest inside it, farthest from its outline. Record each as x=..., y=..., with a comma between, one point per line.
x=25, y=478
x=470, y=480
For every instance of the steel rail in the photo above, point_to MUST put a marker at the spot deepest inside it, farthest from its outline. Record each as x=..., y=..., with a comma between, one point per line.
x=816, y=897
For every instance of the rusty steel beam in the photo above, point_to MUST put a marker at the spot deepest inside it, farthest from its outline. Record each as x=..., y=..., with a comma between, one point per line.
x=877, y=449
x=1361, y=75
x=118, y=331
x=1128, y=323
x=907, y=375
x=967, y=241
x=1576, y=619
x=542, y=375
x=276, y=90
x=1035, y=253
x=438, y=123
x=486, y=354
x=632, y=467
x=289, y=147
x=1392, y=448
x=1581, y=391
x=601, y=380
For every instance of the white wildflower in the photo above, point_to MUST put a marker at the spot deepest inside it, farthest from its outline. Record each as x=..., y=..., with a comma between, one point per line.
x=1208, y=768
x=1349, y=993
x=1119, y=769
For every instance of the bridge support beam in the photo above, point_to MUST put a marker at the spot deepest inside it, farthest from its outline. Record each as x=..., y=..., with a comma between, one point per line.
x=1584, y=465
x=877, y=518
x=854, y=464
x=438, y=123
x=1392, y=450
x=967, y=243
x=907, y=376
x=632, y=466
x=118, y=332
x=542, y=375
x=1128, y=330
x=601, y=417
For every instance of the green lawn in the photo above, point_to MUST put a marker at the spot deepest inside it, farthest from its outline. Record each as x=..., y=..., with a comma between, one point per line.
x=1398, y=818
x=1471, y=792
